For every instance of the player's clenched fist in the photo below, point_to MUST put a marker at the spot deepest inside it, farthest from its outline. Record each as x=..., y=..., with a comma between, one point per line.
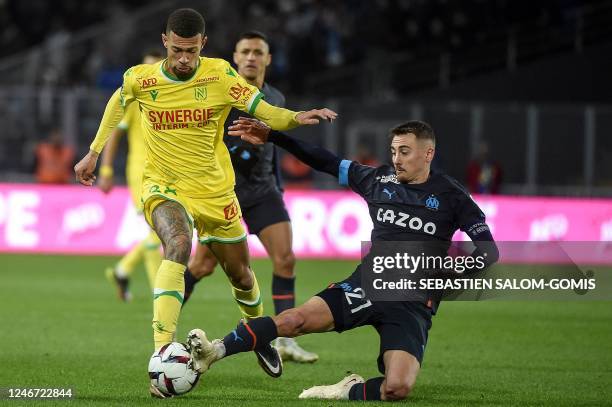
x=84, y=170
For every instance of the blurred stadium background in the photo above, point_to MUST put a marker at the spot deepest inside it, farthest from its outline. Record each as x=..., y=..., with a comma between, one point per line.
x=519, y=94
x=530, y=79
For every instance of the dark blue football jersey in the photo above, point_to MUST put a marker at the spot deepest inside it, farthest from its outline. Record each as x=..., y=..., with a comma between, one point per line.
x=427, y=214
x=431, y=211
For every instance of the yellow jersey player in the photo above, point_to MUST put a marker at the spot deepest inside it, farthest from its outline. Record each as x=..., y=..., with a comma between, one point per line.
x=260, y=196
x=188, y=178
x=148, y=248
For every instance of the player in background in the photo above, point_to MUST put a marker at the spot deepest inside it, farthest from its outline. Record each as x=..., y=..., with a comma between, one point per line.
x=409, y=187
x=148, y=248
x=260, y=196
x=188, y=179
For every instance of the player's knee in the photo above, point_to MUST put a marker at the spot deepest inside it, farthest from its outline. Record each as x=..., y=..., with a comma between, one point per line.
x=201, y=269
x=284, y=264
x=243, y=279
x=198, y=271
x=396, y=389
x=178, y=248
x=289, y=323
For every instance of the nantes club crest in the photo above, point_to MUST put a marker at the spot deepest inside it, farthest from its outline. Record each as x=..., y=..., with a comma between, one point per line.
x=200, y=93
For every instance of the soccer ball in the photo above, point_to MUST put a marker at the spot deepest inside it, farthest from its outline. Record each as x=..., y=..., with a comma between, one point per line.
x=171, y=370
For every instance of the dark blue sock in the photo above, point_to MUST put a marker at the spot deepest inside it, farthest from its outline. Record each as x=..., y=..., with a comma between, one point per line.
x=190, y=282
x=370, y=390
x=283, y=293
x=247, y=337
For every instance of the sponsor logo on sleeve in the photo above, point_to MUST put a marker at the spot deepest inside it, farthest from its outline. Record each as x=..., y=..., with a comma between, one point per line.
x=239, y=92
x=147, y=82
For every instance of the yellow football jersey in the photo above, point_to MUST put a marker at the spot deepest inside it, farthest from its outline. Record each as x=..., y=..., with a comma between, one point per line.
x=183, y=122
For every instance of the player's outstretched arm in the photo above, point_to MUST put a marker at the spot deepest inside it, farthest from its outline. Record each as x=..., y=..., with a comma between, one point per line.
x=256, y=132
x=313, y=116
x=84, y=170
x=113, y=113
x=284, y=119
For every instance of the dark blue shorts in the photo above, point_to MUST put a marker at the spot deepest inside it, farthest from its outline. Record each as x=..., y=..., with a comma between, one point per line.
x=266, y=212
x=400, y=325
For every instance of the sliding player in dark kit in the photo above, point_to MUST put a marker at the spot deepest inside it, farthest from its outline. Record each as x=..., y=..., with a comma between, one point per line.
x=437, y=205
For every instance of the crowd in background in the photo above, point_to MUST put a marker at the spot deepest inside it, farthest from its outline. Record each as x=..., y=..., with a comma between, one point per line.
x=308, y=36
x=26, y=23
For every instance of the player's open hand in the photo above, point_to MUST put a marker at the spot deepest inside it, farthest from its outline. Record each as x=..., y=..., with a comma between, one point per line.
x=250, y=130
x=313, y=116
x=84, y=170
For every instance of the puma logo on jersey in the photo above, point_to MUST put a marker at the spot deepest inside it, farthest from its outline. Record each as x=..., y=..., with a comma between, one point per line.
x=405, y=220
x=389, y=193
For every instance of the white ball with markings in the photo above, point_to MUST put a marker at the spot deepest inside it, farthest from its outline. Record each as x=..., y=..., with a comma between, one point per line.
x=171, y=370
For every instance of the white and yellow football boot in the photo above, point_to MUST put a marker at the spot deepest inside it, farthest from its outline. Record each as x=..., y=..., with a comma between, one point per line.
x=338, y=391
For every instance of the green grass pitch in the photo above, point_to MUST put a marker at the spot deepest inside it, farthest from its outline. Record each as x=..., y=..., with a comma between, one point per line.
x=62, y=326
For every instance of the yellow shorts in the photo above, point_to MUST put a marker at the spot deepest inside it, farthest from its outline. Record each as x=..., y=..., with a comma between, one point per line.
x=215, y=219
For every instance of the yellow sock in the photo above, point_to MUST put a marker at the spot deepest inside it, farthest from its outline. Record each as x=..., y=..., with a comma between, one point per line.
x=167, y=300
x=152, y=257
x=249, y=301
x=128, y=263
